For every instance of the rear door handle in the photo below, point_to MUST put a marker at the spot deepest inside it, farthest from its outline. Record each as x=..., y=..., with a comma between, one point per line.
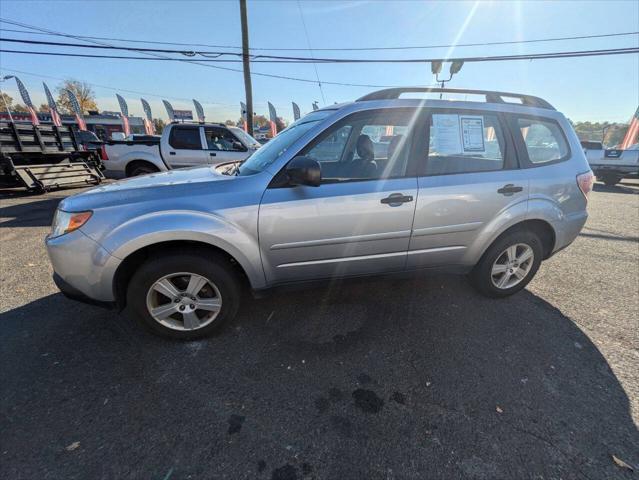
x=171, y=153
x=396, y=199
x=212, y=154
x=509, y=189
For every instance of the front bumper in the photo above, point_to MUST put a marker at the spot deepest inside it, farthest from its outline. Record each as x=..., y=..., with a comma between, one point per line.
x=83, y=268
x=74, y=294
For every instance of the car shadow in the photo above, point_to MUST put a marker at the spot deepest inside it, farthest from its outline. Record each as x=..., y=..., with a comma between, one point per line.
x=419, y=377
x=32, y=214
x=619, y=188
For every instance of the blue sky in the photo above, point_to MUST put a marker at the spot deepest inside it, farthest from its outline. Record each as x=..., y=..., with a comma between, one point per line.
x=595, y=88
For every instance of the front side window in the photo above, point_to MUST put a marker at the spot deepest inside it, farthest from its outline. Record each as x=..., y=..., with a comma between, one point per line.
x=364, y=146
x=543, y=139
x=185, y=138
x=221, y=139
x=464, y=143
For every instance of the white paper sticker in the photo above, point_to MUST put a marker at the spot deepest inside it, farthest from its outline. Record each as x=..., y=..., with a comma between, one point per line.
x=446, y=134
x=472, y=133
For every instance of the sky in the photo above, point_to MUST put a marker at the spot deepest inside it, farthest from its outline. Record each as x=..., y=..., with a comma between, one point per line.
x=594, y=88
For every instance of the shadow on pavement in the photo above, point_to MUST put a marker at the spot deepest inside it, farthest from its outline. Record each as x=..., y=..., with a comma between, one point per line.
x=619, y=188
x=380, y=379
x=33, y=214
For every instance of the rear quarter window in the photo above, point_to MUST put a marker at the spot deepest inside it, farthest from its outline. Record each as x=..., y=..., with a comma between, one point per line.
x=544, y=140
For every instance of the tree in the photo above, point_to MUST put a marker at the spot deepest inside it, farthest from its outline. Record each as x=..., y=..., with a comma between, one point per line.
x=230, y=123
x=18, y=107
x=158, y=123
x=6, y=101
x=83, y=92
x=44, y=108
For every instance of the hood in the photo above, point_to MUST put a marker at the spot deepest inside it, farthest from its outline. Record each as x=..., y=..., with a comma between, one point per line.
x=156, y=186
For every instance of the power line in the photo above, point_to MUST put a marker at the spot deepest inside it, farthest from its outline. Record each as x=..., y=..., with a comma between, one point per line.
x=493, y=58
x=308, y=42
x=255, y=58
x=268, y=75
x=351, y=49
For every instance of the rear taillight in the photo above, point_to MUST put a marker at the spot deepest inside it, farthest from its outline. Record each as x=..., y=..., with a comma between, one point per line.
x=103, y=154
x=585, y=182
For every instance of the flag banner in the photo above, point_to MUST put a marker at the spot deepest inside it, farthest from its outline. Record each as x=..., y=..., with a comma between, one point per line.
x=27, y=101
x=632, y=135
x=53, y=108
x=272, y=114
x=149, y=127
x=124, y=108
x=199, y=110
x=169, y=110
x=244, y=115
x=296, y=111
x=75, y=106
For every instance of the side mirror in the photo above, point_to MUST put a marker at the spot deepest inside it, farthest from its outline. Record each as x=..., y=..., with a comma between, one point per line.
x=304, y=171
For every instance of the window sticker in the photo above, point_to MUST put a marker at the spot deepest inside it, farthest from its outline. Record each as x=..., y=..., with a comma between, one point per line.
x=446, y=134
x=472, y=133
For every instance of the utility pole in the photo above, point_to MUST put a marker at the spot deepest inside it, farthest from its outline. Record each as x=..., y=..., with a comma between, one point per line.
x=248, y=88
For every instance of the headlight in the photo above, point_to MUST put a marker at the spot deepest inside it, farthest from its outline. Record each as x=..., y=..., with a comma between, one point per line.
x=65, y=222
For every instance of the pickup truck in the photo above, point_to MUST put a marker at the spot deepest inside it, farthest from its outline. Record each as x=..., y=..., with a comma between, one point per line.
x=612, y=165
x=181, y=145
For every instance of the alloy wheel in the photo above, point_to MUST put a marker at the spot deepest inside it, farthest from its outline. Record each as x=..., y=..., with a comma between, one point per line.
x=512, y=266
x=184, y=301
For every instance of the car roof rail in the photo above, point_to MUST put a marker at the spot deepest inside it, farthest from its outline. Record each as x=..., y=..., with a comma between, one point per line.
x=491, y=96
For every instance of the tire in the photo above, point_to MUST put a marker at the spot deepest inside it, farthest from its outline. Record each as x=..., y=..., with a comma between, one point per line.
x=179, y=268
x=610, y=181
x=142, y=169
x=497, y=257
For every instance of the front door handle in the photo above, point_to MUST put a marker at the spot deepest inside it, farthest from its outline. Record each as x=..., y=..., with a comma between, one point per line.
x=171, y=153
x=212, y=154
x=396, y=199
x=509, y=189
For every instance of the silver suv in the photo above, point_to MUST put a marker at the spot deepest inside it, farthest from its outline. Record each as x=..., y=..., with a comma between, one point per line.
x=381, y=185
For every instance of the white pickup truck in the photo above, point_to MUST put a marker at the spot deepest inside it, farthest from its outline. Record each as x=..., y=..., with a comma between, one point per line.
x=181, y=145
x=612, y=165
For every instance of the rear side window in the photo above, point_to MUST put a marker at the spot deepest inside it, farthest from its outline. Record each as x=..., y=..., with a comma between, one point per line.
x=185, y=138
x=464, y=143
x=544, y=140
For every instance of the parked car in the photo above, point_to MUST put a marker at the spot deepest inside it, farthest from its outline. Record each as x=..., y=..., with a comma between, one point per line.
x=487, y=188
x=181, y=145
x=612, y=165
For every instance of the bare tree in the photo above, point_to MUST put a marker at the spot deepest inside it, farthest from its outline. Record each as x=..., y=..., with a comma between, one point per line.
x=83, y=92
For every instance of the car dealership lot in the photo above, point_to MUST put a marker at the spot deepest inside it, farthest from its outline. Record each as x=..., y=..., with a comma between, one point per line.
x=410, y=378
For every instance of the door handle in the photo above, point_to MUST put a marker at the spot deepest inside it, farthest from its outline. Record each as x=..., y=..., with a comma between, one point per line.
x=171, y=153
x=212, y=154
x=509, y=189
x=396, y=199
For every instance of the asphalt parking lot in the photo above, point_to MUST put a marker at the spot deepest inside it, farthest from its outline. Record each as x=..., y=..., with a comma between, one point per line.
x=392, y=379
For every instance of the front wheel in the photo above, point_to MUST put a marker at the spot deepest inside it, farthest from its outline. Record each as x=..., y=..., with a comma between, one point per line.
x=186, y=295
x=508, y=264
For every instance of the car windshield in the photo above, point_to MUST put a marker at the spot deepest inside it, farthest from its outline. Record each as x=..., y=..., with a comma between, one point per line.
x=245, y=137
x=270, y=152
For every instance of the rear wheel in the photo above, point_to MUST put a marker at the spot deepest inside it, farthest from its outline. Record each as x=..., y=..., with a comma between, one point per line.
x=184, y=295
x=141, y=168
x=508, y=264
x=610, y=180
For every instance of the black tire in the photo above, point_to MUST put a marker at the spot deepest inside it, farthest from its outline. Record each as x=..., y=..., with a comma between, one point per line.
x=610, y=181
x=481, y=277
x=142, y=168
x=214, y=268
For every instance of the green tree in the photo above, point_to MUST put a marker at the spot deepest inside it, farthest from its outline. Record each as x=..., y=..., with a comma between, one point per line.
x=6, y=101
x=83, y=92
x=44, y=108
x=159, y=124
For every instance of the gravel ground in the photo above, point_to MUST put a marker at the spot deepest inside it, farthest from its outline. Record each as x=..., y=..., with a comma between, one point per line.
x=392, y=379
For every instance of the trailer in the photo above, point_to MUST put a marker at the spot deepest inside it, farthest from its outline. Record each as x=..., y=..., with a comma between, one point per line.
x=43, y=157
